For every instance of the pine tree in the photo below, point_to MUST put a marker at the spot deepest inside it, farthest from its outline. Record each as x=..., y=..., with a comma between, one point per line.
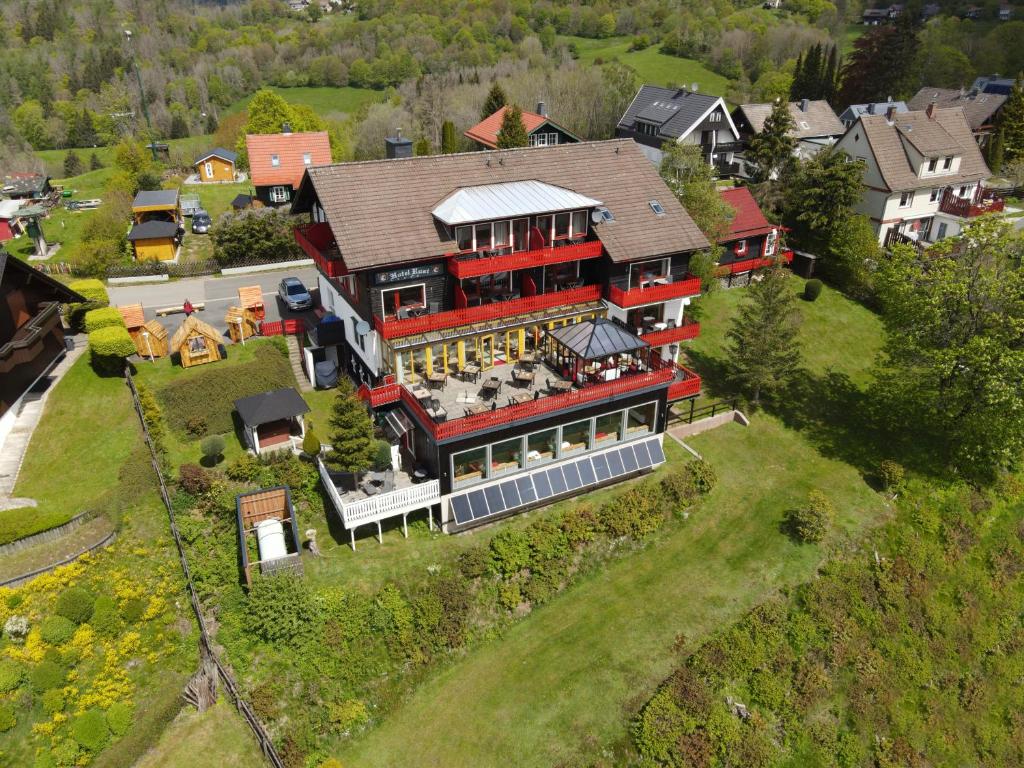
x=799, y=85
x=72, y=164
x=94, y=162
x=830, y=77
x=449, y=143
x=812, y=73
x=996, y=151
x=352, y=440
x=496, y=99
x=422, y=147
x=771, y=150
x=1011, y=123
x=763, y=337
x=513, y=130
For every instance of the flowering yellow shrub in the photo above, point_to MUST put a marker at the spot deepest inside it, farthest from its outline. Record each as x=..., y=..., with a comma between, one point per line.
x=157, y=605
x=83, y=641
x=32, y=651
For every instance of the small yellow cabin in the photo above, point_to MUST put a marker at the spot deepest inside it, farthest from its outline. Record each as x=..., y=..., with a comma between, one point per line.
x=217, y=165
x=196, y=342
x=155, y=240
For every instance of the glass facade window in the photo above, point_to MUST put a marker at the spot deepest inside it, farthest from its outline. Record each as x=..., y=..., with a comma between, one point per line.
x=506, y=457
x=469, y=466
x=521, y=234
x=464, y=238
x=579, y=222
x=540, y=446
x=640, y=420
x=575, y=438
x=562, y=224
x=608, y=429
x=544, y=226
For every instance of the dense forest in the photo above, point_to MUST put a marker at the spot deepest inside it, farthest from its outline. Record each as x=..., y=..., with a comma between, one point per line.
x=67, y=77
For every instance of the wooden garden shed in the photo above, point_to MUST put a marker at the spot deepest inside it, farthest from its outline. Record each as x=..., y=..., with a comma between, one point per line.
x=242, y=323
x=268, y=534
x=196, y=342
x=149, y=336
x=251, y=297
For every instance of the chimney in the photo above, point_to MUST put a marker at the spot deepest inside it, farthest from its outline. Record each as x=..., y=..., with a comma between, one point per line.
x=396, y=146
x=804, y=104
x=930, y=109
x=890, y=114
x=286, y=128
x=871, y=108
x=542, y=109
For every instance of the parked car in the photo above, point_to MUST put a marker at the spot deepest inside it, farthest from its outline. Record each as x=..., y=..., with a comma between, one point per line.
x=294, y=294
x=201, y=222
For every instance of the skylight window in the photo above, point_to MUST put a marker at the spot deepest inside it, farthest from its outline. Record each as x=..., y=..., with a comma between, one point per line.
x=656, y=207
x=275, y=161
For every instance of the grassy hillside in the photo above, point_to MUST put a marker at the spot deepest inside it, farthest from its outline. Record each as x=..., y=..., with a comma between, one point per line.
x=653, y=67
x=325, y=101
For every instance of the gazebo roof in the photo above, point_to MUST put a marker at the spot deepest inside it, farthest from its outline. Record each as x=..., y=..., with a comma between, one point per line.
x=265, y=407
x=593, y=339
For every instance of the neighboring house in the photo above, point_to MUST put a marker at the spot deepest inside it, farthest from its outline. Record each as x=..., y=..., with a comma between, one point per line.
x=924, y=173
x=26, y=186
x=541, y=129
x=513, y=317
x=973, y=12
x=216, y=165
x=751, y=242
x=657, y=115
x=278, y=160
x=993, y=84
x=10, y=221
x=31, y=333
x=981, y=108
x=872, y=17
x=854, y=111
x=157, y=230
x=1005, y=12
x=815, y=125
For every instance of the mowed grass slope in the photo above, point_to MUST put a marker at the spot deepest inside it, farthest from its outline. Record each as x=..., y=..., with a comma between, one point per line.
x=326, y=101
x=226, y=742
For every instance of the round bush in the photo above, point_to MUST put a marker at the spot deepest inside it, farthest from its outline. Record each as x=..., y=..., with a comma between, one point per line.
x=7, y=718
x=90, y=730
x=212, y=447
x=119, y=718
x=75, y=604
x=112, y=341
x=382, y=455
x=46, y=675
x=105, y=617
x=812, y=521
x=57, y=630
x=812, y=289
x=891, y=474
x=104, y=317
x=193, y=479
x=53, y=701
x=134, y=610
x=11, y=675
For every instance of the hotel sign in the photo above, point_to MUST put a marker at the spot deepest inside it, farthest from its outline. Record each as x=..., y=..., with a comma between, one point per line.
x=406, y=274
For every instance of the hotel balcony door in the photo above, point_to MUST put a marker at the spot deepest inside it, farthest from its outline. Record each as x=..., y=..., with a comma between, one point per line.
x=486, y=351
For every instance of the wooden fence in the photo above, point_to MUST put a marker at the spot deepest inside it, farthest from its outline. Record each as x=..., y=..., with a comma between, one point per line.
x=205, y=645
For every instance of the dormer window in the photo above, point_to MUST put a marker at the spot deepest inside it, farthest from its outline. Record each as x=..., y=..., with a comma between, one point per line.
x=933, y=163
x=275, y=161
x=947, y=162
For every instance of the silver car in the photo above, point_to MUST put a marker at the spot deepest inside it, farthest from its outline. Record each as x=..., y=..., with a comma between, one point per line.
x=294, y=294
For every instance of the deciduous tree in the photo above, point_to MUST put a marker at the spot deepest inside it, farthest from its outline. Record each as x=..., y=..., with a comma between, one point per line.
x=692, y=180
x=1011, y=122
x=821, y=194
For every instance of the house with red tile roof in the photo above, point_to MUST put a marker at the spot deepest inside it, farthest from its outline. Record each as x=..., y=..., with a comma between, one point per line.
x=542, y=131
x=278, y=160
x=751, y=241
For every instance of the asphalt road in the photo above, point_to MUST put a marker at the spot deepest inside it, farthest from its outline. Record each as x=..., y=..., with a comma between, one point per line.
x=218, y=293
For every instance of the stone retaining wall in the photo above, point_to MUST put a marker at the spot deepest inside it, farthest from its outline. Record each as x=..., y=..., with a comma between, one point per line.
x=45, y=536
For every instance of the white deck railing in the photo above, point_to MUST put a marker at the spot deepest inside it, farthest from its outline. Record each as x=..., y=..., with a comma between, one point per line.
x=383, y=505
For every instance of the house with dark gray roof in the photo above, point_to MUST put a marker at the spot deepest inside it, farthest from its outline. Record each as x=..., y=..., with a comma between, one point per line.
x=456, y=277
x=685, y=116
x=924, y=173
x=850, y=115
x=815, y=125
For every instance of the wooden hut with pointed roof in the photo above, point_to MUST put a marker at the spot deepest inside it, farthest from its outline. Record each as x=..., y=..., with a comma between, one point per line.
x=150, y=337
x=196, y=343
x=251, y=297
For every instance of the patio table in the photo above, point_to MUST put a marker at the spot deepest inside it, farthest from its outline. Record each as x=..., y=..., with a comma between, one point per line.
x=523, y=376
x=438, y=378
x=474, y=409
x=471, y=370
x=421, y=393
x=521, y=397
x=560, y=385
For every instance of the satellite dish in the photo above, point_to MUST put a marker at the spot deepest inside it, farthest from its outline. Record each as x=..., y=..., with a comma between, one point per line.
x=362, y=328
x=595, y=216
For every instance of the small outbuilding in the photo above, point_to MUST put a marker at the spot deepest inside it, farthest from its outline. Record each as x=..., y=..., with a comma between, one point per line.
x=217, y=165
x=268, y=535
x=150, y=337
x=273, y=420
x=155, y=240
x=240, y=202
x=196, y=342
x=250, y=297
x=241, y=324
x=156, y=204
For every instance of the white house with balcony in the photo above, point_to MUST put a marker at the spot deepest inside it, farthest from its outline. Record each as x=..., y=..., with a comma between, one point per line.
x=924, y=173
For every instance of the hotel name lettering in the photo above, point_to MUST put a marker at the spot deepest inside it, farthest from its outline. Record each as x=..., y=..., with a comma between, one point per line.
x=405, y=274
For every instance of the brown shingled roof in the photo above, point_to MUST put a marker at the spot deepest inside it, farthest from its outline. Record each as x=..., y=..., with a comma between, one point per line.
x=289, y=148
x=133, y=315
x=380, y=211
x=979, y=107
x=947, y=132
x=818, y=120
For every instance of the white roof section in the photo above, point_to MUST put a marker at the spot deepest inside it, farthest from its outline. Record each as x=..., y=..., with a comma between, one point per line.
x=508, y=200
x=9, y=207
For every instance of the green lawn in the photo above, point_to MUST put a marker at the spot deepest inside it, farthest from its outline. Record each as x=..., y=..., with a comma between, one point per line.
x=86, y=434
x=226, y=742
x=652, y=67
x=326, y=101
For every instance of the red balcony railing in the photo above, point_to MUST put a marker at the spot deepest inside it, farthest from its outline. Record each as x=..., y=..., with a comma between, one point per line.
x=391, y=329
x=748, y=265
x=637, y=296
x=540, y=257
x=966, y=207
x=317, y=241
x=490, y=420
x=686, y=384
x=672, y=335
x=387, y=392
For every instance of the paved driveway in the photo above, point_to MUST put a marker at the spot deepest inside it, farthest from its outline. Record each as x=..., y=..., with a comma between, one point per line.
x=218, y=293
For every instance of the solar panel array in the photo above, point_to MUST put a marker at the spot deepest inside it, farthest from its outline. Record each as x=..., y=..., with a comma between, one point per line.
x=541, y=484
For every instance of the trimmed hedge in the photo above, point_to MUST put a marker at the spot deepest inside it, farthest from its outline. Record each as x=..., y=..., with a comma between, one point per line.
x=103, y=317
x=111, y=342
x=210, y=393
x=812, y=289
x=95, y=295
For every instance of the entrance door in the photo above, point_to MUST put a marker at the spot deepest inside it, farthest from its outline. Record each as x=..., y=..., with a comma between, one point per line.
x=487, y=352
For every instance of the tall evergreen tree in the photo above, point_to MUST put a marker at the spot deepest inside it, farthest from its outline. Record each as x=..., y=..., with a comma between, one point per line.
x=1011, y=123
x=449, y=143
x=421, y=147
x=352, y=441
x=496, y=99
x=799, y=84
x=763, y=337
x=830, y=76
x=821, y=195
x=72, y=164
x=812, y=73
x=996, y=151
x=771, y=150
x=513, y=130
x=94, y=162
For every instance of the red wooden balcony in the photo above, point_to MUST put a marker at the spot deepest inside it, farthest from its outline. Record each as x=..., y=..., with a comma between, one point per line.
x=660, y=375
x=654, y=292
x=688, y=330
x=981, y=203
x=473, y=266
x=391, y=329
x=387, y=392
x=317, y=241
x=748, y=265
x=686, y=383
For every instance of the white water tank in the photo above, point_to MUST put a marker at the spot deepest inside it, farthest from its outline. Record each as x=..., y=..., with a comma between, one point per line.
x=270, y=540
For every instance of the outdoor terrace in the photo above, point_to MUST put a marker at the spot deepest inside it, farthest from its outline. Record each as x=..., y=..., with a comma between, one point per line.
x=983, y=201
x=651, y=290
x=317, y=241
x=493, y=260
